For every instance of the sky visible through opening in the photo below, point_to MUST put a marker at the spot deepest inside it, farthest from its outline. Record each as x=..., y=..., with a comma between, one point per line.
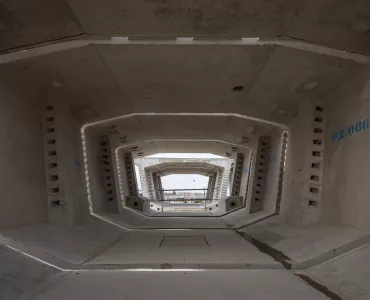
x=182, y=181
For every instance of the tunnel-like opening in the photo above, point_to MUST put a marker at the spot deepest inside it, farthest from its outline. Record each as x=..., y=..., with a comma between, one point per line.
x=83, y=114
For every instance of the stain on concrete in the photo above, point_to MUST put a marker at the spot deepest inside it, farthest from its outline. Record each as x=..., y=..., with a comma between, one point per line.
x=165, y=266
x=6, y=18
x=165, y=9
x=213, y=16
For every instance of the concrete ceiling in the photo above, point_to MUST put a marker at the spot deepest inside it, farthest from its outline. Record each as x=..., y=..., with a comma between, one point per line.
x=149, y=131
x=341, y=24
x=176, y=146
x=182, y=167
x=107, y=81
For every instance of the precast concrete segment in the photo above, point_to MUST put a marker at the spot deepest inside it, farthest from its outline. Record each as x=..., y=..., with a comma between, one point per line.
x=79, y=43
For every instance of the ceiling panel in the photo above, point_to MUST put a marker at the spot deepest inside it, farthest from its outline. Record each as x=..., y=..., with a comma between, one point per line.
x=27, y=22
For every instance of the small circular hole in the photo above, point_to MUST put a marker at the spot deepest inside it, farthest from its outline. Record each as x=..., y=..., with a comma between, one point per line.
x=233, y=204
x=136, y=204
x=238, y=88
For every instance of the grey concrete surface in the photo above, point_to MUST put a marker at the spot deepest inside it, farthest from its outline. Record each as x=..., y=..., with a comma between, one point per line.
x=346, y=167
x=213, y=284
x=347, y=275
x=19, y=275
x=276, y=86
x=303, y=243
x=22, y=176
x=132, y=220
x=225, y=247
x=72, y=245
x=346, y=28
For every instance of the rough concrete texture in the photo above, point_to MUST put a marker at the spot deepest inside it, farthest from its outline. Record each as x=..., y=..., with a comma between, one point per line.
x=346, y=164
x=20, y=275
x=72, y=245
x=301, y=244
x=22, y=177
x=343, y=26
x=274, y=83
x=133, y=220
x=347, y=275
x=223, y=248
x=215, y=284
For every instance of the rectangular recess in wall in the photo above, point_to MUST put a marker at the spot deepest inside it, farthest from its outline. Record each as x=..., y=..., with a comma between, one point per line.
x=314, y=190
x=319, y=108
x=316, y=153
x=54, y=190
x=50, y=130
x=49, y=108
x=53, y=177
x=315, y=178
x=55, y=203
x=53, y=165
x=317, y=130
x=52, y=153
x=315, y=165
x=49, y=119
x=312, y=203
x=51, y=141
x=318, y=119
x=317, y=142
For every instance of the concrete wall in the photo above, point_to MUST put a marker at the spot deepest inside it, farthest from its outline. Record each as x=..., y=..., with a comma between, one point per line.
x=302, y=197
x=346, y=163
x=272, y=174
x=68, y=206
x=245, y=174
x=22, y=178
x=97, y=189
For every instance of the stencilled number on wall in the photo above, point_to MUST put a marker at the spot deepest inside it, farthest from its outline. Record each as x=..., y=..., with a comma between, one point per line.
x=351, y=130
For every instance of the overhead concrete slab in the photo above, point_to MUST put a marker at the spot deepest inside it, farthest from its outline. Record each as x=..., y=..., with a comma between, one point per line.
x=344, y=25
x=171, y=79
x=25, y=23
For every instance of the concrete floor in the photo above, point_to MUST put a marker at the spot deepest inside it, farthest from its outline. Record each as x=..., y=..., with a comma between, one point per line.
x=212, y=284
x=303, y=243
x=132, y=220
x=221, y=249
x=348, y=275
x=183, y=264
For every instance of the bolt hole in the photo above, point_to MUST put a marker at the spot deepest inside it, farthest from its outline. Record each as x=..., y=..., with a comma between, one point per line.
x=238, y=88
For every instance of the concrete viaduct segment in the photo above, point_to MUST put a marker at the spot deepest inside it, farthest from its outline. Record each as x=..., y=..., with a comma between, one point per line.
x=279, y=89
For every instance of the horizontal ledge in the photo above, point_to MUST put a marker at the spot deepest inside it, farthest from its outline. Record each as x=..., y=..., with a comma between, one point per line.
x=78, y=42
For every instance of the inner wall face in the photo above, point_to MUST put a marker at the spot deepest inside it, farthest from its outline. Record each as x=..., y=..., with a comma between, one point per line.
x=315, y=172
x=240, y=177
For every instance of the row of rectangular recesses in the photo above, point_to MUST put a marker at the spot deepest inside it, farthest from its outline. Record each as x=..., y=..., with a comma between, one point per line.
x=51, y=157
x=107, y=166
x=238, y=172
x=282, y=167
x=315, y=174
x=261, y=166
